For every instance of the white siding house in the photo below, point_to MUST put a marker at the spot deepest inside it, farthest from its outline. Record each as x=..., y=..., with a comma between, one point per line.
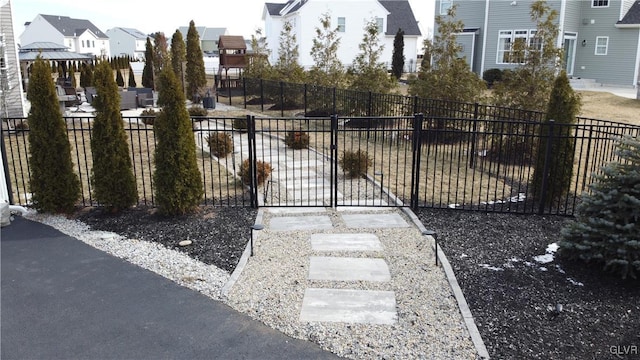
x=80, y=36
x=350, y=16
x=127, y=42
x=600, y=38
x=11, y=97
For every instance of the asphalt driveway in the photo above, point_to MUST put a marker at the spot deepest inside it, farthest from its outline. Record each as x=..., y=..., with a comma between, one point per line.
x=64, y=299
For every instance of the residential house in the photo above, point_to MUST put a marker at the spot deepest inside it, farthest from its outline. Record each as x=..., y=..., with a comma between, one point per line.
x=350, y=17
x=11, y=95
x=208, y=38
x=600, y=38
x=80, y=36
x=127, y=42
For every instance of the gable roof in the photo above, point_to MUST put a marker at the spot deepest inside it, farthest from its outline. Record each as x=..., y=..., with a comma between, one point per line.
x=204, y=33
x=400, y=14
x=135, y=33
x=232, y=42
x=400, y=17
x=632, y=18
x=73, y=27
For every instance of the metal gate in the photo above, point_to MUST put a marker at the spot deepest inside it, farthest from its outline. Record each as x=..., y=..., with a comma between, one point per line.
x=332, y=161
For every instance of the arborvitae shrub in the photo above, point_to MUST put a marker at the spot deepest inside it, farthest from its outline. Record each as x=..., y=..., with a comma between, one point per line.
x=607, y=227
x=564, y=105
x=119, y=78
x=54, y=184
x=263, y=171
x=178, y=183
x=355, y=163
x=220, y=144
x=114, y=184
x=297, y=139
x=240, y=124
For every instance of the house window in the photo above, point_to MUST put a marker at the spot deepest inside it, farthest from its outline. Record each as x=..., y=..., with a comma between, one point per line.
x=445, y=5
x=341, y=24
x=82, y=43
x=380, y=24
x=93, y=44
x=513, y=45
x=600, y=3
x=602, y=45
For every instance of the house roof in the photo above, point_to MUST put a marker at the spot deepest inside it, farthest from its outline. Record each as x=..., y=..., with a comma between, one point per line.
x=400, y=17
x=204, y=33
x=49, y=51
x=633, y=15
x=400, y=14
x=135, y=33
x=73, y=27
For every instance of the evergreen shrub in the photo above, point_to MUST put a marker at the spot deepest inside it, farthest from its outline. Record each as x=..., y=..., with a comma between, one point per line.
x=297, y=139
x=220, y=144
x=263, y=171
x=355, y=163
x=606, y=231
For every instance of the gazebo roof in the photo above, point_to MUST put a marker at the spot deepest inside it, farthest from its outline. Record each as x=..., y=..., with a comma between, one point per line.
x=49, y=51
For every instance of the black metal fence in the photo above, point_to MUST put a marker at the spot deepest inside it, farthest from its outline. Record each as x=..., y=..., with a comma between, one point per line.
x=476, y=161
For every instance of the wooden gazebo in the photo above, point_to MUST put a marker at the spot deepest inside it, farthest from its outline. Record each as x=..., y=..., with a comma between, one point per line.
x=233, y=50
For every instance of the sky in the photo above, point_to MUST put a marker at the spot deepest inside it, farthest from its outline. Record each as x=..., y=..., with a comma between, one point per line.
x=240, y=17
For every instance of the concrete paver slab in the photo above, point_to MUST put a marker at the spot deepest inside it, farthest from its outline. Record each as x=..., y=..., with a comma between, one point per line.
x=296, y=210
x=345, y=242
x=348, y=269
x=374, y=220
x=292, y=223
x=350, y=306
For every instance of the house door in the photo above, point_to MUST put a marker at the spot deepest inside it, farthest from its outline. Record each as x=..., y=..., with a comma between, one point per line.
x=570, y=51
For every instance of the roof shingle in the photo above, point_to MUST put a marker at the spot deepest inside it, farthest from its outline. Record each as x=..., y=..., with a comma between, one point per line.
x=73, y=27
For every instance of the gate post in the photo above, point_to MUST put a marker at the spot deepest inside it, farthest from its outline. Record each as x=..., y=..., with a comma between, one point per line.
x=334, y=161
x=253, y=174
x=474, y=135
x=415, y=166
x=261, y=95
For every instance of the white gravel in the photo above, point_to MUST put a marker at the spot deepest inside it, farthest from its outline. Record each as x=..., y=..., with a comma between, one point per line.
x=429, y=326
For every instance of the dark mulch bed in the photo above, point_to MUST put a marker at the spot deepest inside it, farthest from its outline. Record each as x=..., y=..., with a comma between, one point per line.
x=514, y=298
x=219, y=235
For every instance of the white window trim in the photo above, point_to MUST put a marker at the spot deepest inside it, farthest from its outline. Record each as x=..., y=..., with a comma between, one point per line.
x=606, y=46
x=593, y=5
x=513, y=36
x=445, y=5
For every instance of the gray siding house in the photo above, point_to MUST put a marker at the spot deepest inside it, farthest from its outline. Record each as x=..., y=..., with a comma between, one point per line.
x=127, y=41
x=600, y=38
x=11, y=98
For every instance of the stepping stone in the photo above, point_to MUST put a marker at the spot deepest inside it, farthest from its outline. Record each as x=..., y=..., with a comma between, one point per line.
x=345, y=242
x=295, y=211
x=349, y=306
x=306, y=183
x=291, y=174
x=311, y=194
x=292, y=223
x=348, y=269
x=374, y=220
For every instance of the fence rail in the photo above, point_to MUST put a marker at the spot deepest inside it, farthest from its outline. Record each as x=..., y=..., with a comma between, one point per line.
x=476, y=161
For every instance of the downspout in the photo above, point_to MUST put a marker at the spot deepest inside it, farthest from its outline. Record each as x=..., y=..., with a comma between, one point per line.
x=484, y=36
x=636, y=73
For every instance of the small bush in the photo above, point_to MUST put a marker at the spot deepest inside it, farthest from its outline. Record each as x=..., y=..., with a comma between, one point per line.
x=297, y=139
x=198, y=111
x=263, y=171
x=220, y=144
x=492, y=76
x=21, y=126
x=240, y=124
x=355, y=163
x=149, y=116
